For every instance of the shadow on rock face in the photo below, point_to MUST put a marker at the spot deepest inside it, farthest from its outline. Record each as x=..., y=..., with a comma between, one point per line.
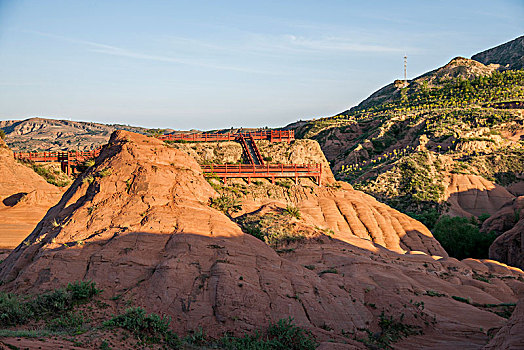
x=238, y=283
x=14, y=199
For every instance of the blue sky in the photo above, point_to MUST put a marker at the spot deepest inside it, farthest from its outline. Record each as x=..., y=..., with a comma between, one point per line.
x=217, y=64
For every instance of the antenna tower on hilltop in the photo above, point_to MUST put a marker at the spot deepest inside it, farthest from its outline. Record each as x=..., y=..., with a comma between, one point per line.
x=406, y=69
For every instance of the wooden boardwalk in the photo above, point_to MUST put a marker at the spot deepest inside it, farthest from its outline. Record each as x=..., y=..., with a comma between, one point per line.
x=68, y=159
x=257, y=168
x=270, y=135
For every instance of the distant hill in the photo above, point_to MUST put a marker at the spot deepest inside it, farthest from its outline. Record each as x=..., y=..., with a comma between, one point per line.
x=448, y=141
x=53, y=135
x=457, y=67
x=42, y=134
x=509, y=55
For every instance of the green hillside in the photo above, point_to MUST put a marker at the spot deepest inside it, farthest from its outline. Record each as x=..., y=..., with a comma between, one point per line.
x=404, y=141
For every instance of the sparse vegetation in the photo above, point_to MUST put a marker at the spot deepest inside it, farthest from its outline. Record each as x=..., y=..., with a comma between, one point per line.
x=105, y=172
x=433, y=293
x=282, y=335
x=461, y=299
x=16, y=310
x=292, y=211
x=330, y=270
x=272, y=228
x=149, y=328
x=88, y=179
x=51, y=174
x=391, y=331
x=226, y=204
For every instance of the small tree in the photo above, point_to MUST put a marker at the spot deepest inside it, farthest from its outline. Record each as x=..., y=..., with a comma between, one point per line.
x=461, y=238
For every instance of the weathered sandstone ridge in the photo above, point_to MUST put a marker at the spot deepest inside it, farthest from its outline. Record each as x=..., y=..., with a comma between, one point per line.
x=139, y=225
x=336, y=206
x=474, y=195
x=25, y=197
x=508, y=222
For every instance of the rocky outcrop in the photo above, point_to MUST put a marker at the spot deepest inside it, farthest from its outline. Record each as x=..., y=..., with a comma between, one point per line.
x=509, y=55
x=138, y=223
x=473, y=195
x=508, y=222
x=24, y=199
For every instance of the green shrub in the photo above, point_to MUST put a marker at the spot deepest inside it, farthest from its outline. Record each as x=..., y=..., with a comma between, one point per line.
x=285, y=335
x=89, y=179
x=433, y=293
x=52, y=302
x=276, y=238
x=428, y=217
x=150, y=328
x=2, y=134
x=226, y=204
x=462, y=239
x=197, y=337
x=105, y=172
x=13, y=310
x=83, y=290
x=70, y=322
x=254, y=230
x=54, y=178
x=283, y=183
x=292, y=211
x=461, y=299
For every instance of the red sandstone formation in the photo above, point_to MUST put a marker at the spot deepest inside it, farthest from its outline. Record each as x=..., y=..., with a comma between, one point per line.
x=24, y=199
x=138, y=223
x=508, y=222
x=473, y=195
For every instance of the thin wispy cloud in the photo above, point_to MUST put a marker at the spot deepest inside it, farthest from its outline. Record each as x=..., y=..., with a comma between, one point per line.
x=335, y=44
x=122, y=52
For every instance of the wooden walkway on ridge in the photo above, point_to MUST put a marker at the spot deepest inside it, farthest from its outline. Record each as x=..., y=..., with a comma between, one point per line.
x=256, y=168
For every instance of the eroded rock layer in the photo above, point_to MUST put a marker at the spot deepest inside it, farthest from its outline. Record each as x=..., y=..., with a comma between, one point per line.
x=138, y=223
x=473, y=195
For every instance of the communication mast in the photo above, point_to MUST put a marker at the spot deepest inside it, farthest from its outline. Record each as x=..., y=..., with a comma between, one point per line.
x=406, y=69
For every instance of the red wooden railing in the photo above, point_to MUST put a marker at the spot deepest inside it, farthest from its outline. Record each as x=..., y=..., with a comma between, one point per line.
x=78, y=156
x=271, y=135
x=70, y=158
x=264, y=171
x=66, y=158
x=256, y=150
x=243, y=142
